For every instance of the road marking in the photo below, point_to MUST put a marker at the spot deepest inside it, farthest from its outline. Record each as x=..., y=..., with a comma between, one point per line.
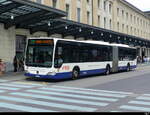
x=115, y=111
x=105, y=91
x=4, y=80
x=74, y=95
x=84, y=92
x=8, y=88
x=23, y=108
x=49, y=104
x=17, y=85
x=29, y=83
x=2, y=91
x=127, y=107
x=139, y=102
x=61, y=99
x=146, y=94
x=143, y=98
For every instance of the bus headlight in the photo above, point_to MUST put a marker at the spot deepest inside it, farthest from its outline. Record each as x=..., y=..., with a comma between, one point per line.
x=51, y=73
x=26, y=71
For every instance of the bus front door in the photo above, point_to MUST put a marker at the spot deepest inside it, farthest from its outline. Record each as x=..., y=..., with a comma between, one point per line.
x=115, y=59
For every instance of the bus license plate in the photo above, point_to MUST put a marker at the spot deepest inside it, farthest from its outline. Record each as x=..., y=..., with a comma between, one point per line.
x=37, y=76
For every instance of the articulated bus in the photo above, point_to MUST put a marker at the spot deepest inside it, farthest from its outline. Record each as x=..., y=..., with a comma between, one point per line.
x=54, y=58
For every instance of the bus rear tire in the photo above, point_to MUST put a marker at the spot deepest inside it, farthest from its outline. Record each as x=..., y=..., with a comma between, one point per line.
x=75, y=73
x=107, y=70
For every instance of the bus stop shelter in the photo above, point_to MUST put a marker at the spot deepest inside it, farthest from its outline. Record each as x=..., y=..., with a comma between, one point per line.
x=18, y=13
x=71, y=28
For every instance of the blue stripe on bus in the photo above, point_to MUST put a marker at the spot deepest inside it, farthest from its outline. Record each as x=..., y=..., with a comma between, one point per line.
x=67, y=75
x=125, y=67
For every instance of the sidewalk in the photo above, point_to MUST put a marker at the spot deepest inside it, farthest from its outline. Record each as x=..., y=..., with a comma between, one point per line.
x=144, y=64
x=13, y=76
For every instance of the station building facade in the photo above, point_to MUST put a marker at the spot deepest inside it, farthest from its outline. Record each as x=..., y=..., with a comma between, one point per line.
x=115, y=15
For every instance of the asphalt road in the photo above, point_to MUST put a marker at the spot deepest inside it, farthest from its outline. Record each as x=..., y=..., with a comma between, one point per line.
x=119, y=92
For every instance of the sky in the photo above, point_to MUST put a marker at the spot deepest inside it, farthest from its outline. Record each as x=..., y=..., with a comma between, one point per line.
x=143, y=5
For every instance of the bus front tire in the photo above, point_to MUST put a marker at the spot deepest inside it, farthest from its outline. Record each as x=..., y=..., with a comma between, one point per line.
x=107, y=70
x=128, y=68
x=75, y=73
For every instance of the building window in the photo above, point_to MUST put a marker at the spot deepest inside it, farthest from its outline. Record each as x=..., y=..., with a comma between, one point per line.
x=127, y=29
x=122, y=13
x=110, y=8
x=118, y=26
x=54, y=3
x=68, y=11
x=134, y=31
x=127, y=15
x=134, y=19
x=131, y=31
x=117, y=11
x=123, y=28
x=39, y=1
x=99, y=3
x=104, y=5
x=99, y=20
x=78, y=14
x=131, y=17
x=88, y=17
x=110, y=24
x=104, y=22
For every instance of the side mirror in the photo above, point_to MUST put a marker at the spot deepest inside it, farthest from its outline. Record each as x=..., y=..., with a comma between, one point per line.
x=59, y=63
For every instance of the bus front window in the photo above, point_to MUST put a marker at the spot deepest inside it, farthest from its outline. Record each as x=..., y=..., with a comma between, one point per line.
x=39, y=55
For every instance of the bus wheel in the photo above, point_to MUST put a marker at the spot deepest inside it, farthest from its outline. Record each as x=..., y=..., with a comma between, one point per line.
x=128, y=67
x=107, y=70
x=75, y=73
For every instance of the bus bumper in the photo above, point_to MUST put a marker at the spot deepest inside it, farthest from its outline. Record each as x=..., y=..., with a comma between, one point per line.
x=55, y=77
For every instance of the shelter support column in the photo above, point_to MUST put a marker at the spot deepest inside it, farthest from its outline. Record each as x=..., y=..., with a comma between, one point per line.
x=7, y=46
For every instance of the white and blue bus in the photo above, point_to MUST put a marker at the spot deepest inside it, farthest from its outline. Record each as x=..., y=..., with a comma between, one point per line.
x=55, y=58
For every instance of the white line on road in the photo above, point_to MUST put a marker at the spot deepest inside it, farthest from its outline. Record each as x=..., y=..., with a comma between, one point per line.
x=84, y=92
x=105, y=91
x=135, y=108
x=61, y=99
x=73, y=95
x=49, y=104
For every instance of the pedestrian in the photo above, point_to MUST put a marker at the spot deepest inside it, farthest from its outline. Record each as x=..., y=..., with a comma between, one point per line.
x=21, y=64
x=2, y=67
x=15, y=62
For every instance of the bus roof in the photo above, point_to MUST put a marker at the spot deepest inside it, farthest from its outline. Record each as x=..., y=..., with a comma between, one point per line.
x=80, y=41
x=122, y=45
x=85, y=41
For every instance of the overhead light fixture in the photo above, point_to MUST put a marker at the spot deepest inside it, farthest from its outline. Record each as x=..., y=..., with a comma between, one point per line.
x=12, y=17
x=92, y=32
x=80, y=30
x=49, y=23
x=66, y=27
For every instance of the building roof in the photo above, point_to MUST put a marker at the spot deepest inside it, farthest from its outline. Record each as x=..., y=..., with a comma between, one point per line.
x=147, y=13
x=134, y=8
x=16, y=12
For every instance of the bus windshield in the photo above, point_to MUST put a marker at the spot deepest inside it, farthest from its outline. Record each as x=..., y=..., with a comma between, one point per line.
x=39, y=53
